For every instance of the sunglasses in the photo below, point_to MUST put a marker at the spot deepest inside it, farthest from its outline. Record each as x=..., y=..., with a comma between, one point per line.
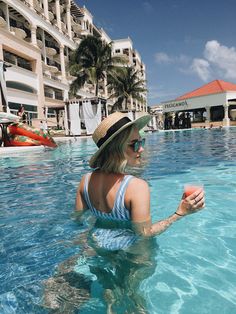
x=137, y=145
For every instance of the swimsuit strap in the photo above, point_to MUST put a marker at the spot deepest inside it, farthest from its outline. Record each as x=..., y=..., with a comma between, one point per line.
x=86, y=195
x=119, y=209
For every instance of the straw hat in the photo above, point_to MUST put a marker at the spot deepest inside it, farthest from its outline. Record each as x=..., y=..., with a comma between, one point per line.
x=111, y=127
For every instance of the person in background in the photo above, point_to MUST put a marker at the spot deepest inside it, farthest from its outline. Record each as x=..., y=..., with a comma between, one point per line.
x=120, y=203
x=176, y=121
x=170, y=122
x=22, y=114
x=188, y=121
x=166, y=123
x=43, y=126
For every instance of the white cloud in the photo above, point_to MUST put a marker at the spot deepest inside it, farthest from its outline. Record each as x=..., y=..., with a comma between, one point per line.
x=202, y=68
x=222, y=58
x=162, y=57
x=218, y=61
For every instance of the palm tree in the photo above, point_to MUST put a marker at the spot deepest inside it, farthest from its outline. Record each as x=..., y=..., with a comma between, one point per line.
x=91, y=62
x=126, y=83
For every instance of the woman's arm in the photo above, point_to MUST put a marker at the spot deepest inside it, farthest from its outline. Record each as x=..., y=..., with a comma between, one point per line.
x=140, y=208
x=80, y=204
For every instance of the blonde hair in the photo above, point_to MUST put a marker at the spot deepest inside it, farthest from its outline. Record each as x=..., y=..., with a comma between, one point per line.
x=112, y=158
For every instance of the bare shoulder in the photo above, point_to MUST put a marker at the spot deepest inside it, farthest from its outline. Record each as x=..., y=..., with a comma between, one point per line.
x=137, y=184
x=137, y=188
x=138, y=200
x=80, y=203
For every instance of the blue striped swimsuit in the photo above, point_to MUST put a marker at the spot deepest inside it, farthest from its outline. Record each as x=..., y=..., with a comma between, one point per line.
x=113, y=238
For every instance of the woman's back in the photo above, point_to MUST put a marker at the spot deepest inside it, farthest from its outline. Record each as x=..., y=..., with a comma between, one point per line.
x=104, y=195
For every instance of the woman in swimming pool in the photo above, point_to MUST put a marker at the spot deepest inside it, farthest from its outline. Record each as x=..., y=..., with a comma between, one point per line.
x=110, y=193
x=121, y=205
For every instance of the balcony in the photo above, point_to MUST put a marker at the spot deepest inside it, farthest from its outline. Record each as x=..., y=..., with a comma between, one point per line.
x=51, y=51
x=20, y=33
x=53, y=9
x=53, y=68
x=16, y=60
x=40, y=43
x=51, y=16
x=63, y=26
x=45, y=66
x=3, y=23
x=38, y=7
x=85, y=32
x=53, y=94
x=77, y=40
x=47, y=74
x=77, y=28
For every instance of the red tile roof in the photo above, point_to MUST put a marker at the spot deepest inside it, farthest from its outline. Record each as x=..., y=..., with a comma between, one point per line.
x=213, y=87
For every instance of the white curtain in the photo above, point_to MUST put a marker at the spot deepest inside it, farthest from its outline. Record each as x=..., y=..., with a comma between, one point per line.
x=75, y=123
x=92, y=118
x=154, y=122
x=130, y=115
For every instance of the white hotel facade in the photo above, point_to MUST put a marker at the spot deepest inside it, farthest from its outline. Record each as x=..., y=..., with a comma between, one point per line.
x=36, y=39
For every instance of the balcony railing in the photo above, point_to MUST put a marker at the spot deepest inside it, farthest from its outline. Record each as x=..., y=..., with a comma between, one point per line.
x=52, y=77
x=54, y=63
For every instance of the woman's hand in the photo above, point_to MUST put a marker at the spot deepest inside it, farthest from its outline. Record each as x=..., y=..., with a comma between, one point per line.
x=191, y=204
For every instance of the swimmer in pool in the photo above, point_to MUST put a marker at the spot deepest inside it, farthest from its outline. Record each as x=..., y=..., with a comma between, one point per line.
x=110, y=193
x=120, y=202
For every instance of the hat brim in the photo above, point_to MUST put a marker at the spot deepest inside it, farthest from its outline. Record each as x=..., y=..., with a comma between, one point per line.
x=139, y=123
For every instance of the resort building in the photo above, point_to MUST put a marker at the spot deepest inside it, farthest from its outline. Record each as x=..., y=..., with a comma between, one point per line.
x=124, y=48
x=36, y=40
x=211, y=104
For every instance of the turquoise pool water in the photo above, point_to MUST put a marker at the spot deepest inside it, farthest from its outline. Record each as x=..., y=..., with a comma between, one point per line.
x=193, y=263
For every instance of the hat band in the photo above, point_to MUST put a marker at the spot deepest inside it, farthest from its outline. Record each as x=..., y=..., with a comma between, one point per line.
x=115, y=127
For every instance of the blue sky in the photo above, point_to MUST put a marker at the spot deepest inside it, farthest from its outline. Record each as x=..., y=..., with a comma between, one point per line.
x=183, y=43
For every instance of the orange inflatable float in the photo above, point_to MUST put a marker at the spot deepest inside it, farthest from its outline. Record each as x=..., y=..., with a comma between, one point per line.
x=19, y=140
x=21, y=134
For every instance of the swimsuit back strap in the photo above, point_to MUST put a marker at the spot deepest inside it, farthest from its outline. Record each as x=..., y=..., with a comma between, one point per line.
x=86, y=195
x=119, y=205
